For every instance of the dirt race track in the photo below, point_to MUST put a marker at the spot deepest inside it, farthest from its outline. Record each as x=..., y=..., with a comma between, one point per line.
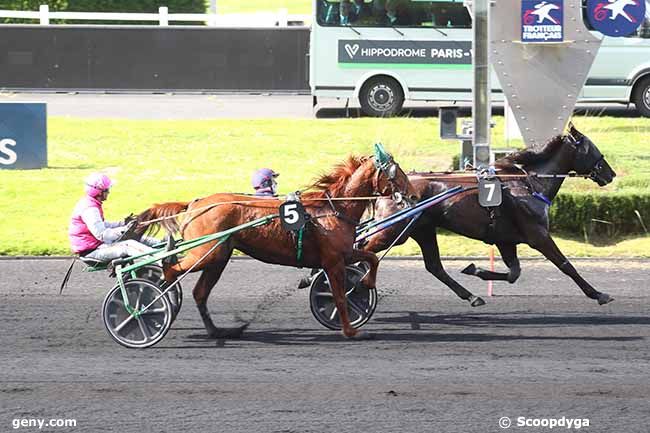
x=540, y=349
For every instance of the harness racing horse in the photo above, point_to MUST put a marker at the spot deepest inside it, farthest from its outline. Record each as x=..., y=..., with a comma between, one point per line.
x=328, y=237
x=522, y=217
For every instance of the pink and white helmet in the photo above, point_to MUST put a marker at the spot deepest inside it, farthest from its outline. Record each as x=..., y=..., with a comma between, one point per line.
x=97, y=183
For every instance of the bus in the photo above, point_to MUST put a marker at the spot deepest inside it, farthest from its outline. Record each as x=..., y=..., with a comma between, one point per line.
x=384, y=52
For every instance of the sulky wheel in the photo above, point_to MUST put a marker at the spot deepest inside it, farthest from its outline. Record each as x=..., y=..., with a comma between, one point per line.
x=154, y=274
x=361, y=301
x=145, y=328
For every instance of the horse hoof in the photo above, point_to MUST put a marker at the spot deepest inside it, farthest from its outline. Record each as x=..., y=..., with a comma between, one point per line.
x=228, y=333
x=360, y=335
x=304, y=283
x=604, y=298
x=476, y=301
x=469, y=270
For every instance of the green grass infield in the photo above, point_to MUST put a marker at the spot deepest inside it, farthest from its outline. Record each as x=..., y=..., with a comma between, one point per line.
x=159, y=161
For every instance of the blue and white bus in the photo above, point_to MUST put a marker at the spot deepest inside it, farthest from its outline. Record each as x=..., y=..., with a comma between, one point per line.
x=383, y=52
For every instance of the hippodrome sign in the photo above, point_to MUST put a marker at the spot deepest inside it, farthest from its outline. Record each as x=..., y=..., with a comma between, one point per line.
x=616, y=17
x=542, y=21
x=23, y=135
x=452, y=54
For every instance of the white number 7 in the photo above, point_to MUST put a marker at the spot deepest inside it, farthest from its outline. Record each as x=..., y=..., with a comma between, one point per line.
x=491, y=187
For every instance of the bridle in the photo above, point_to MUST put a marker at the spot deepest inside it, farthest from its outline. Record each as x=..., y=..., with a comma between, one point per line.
x=389, y=169
x=592, y=168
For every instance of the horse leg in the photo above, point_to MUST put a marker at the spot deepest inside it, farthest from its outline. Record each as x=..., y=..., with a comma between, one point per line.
x=431, y=255
x=306, y=281
x=213, y=266
x=545, y=245
x=370, y=279
x=336, y=276
x=509, y=256
x=208, y=279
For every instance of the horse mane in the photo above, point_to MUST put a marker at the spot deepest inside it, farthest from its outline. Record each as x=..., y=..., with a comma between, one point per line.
x=529, y=157
x=334, y=183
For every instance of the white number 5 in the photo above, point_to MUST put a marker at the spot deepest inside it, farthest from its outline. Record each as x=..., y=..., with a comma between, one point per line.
x=291, y=214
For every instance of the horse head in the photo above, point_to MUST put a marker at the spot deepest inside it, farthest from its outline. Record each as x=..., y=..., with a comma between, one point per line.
x=588, y=160
x=390, y=179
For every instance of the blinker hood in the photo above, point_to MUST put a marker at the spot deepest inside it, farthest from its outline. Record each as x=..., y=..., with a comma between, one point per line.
x=382, y=158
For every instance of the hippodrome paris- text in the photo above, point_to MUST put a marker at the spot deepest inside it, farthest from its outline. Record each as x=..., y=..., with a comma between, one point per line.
x=446, y=53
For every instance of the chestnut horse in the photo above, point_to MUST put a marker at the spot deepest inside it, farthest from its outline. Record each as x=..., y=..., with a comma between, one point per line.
x=328, y=237
x=522, y=217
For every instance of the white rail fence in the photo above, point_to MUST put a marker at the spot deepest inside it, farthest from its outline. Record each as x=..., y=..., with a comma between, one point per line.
x=281, y=18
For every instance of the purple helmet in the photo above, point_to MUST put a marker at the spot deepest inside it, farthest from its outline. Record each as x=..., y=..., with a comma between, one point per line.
x=97, y=183
x=262, y=178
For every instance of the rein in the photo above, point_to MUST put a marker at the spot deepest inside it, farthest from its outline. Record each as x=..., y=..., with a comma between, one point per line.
x=243, y=202
x=508, y=176
x=336, y=213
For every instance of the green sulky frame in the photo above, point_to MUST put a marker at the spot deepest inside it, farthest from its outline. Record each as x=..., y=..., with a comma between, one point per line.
x=131, y=264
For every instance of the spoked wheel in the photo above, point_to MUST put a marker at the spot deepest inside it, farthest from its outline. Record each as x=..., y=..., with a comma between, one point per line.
x=361, y=301
x=143, y=329
x=154, y=274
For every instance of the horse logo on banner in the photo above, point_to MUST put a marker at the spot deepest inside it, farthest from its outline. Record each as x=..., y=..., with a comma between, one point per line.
x=616, y=17
x=542, y=21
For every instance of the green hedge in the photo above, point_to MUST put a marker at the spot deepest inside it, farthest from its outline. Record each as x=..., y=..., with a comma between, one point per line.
x=141, y=6
x=611, y=214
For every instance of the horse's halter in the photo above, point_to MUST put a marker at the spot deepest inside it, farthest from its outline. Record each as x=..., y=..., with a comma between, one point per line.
x=593, y=166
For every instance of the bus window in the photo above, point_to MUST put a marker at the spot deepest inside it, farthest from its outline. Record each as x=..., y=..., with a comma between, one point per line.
x=345, y=12
x=393, y=13
x=644, y=29
x=449, y=14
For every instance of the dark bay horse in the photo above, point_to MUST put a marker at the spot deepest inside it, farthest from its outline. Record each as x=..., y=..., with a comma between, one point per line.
x=522, y=217
x=328, y=241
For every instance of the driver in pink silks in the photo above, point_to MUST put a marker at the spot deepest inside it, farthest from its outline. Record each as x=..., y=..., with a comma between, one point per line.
x=91, y=236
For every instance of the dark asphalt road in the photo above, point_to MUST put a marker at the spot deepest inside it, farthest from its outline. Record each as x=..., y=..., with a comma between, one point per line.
x=229, y=106
x=539, y=349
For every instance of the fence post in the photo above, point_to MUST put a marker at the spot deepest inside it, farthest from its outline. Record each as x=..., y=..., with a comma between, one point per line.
x=163, y=15
x=283, y=18
x=44, y=10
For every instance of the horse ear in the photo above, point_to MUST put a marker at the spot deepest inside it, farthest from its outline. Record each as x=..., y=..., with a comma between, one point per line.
x=574, y=131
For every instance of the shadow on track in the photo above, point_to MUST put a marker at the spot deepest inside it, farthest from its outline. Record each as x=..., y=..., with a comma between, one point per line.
x=310, y=338
x=511, y=319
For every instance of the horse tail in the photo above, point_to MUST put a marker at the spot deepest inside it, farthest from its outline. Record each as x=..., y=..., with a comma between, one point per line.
x=165, y=215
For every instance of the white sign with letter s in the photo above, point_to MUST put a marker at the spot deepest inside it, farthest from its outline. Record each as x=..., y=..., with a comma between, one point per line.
x=7, y=155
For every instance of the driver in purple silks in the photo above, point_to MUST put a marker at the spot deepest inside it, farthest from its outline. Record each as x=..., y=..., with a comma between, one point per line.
x=93, y=237
x=264, y=183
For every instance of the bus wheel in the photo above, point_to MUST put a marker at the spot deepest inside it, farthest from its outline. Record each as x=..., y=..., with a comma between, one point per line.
x=641, y=97
x=381, y=97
